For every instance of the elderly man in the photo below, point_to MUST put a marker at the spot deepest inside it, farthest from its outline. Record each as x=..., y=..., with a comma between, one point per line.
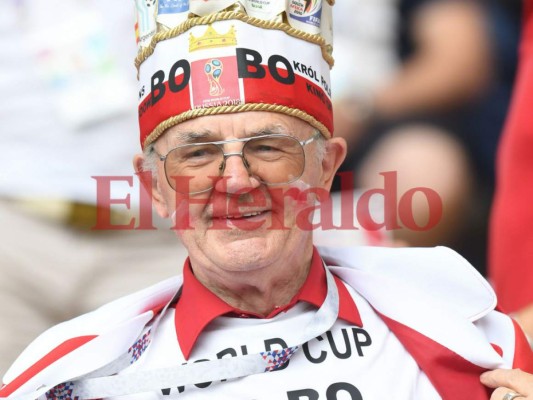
x=237, y=150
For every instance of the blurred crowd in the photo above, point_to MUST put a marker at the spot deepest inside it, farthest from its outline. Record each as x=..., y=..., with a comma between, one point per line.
x=421, y=87
x=426, y=95
x=68, y=114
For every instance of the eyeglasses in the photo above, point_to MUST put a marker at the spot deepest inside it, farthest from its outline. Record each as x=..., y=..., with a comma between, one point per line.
x=273, y=159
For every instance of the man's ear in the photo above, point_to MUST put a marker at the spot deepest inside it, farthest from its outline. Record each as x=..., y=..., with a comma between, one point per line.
x=335, y=154
x=150, y=183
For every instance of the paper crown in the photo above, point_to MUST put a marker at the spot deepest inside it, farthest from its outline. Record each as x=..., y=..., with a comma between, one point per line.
x=207, y=57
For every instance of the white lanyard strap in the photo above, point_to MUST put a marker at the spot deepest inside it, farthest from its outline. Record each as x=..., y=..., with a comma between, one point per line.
x=157, y=379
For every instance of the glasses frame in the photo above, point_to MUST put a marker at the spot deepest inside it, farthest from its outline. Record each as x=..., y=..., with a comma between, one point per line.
x=221, y=143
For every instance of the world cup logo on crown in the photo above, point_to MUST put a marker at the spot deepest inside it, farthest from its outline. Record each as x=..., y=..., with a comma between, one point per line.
x=213, y=69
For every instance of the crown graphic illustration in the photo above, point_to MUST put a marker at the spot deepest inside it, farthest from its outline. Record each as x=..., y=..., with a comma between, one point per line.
x=212, y=38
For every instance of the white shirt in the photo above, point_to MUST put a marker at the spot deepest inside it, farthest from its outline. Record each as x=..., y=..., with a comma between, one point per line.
x=347, y=362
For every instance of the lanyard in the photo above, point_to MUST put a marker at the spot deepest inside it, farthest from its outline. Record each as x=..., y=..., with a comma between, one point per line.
x=103, y=383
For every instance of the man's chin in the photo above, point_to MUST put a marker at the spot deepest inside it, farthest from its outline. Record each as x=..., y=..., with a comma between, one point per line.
x=242, y=254
x=238, y=238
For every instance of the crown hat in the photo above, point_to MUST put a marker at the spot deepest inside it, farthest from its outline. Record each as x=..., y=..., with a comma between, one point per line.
x=208, y=57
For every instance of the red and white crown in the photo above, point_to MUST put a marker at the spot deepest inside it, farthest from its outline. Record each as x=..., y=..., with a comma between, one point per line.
x=206, y=57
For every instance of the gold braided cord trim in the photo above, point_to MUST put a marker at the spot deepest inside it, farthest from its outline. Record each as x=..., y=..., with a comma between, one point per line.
x=147, y=51
x=202, y=112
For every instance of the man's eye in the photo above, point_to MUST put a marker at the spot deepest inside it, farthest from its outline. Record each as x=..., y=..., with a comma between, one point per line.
x=199, y=153
x=264, y=147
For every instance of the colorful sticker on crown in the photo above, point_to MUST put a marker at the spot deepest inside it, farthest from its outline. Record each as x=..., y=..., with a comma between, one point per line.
x=264, y=9
x=203, y=7
x=214, y=76
x=171, y=13
x=146, y=26
x=326, y=27
x=305, y=15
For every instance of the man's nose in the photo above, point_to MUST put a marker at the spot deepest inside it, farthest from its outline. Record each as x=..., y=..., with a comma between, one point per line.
x=236, y=177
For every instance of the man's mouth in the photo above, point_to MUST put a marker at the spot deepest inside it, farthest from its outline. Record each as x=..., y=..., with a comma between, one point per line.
x=243, y=215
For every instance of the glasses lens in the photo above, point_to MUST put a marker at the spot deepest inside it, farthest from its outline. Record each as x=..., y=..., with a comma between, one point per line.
x=276, y=159
x=193, y=168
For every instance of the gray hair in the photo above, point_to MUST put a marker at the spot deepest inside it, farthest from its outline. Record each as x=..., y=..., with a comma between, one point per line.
x=321, y=147
x=150, y=159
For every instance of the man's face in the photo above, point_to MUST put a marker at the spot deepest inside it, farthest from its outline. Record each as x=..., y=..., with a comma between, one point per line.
x=242, y=224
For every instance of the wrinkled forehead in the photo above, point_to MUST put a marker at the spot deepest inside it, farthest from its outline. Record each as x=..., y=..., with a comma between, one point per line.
x=238, y=125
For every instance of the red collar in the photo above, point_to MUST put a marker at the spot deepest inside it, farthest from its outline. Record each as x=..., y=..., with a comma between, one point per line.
x=197, y=306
